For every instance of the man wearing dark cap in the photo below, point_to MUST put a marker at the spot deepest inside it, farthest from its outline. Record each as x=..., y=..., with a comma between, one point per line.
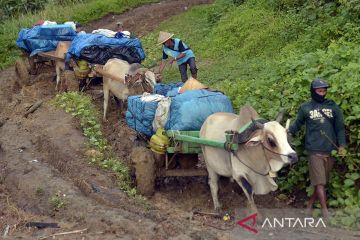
x=324, y=132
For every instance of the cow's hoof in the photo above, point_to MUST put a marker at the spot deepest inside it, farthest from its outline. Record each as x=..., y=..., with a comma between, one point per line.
x=219, y=211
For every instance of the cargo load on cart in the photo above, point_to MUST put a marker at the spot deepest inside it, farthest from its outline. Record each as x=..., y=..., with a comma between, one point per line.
x=44, y=38
x=186, y=111
x=98, y=49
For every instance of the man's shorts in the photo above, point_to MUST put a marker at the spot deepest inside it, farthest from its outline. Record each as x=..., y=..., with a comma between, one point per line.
x=320, y=165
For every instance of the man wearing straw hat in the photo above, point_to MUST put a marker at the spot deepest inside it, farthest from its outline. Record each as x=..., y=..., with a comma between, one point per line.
x=179, y=52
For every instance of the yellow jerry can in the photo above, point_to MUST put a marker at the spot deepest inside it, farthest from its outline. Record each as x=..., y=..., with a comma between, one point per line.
x=159, y=141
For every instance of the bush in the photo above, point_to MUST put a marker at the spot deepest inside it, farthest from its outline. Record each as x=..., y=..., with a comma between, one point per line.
x=11, y=8
x=266, y=53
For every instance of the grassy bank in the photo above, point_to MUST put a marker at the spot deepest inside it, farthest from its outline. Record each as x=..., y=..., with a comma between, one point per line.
x=82, y=12
x=101, y=154
x=266, y=53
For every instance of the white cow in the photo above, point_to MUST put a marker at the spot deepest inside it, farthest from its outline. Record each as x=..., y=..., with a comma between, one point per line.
x=60, y=52
x=120, y=69
x=265, y=151
x=59, y=67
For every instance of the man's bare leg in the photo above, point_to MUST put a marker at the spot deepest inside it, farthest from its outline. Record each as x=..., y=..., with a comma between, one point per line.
x=320, y=191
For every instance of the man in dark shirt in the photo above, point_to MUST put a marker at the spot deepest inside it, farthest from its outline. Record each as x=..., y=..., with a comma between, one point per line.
x=324, y=132
x=179, y=52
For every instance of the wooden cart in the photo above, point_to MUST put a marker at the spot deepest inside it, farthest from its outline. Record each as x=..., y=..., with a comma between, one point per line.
x=76, y=79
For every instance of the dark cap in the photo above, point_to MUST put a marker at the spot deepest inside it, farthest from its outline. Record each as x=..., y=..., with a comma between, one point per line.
x=319, y=83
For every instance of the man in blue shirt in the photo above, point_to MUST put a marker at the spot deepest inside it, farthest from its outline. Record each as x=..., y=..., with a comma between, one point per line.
x=179, y=52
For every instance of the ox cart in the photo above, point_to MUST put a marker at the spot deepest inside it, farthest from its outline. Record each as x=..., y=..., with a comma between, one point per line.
x=176, y=153
x=76, y=79
x=26, y=65
x=82, y=52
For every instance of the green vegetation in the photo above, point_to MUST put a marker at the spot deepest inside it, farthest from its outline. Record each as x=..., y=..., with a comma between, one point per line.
x=39, y=191
x=57, y=201
x=17, y=14
x=81, y=107
x=266, y=53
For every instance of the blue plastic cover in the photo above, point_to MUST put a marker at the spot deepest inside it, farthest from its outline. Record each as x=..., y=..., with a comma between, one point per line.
x=189, y=110
x=163, y=89
x=173, y=92
x=140, y=115
x=82, y=41
x=44, y=38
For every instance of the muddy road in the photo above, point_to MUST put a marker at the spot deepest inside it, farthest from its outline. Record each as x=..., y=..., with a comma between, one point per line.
x=43, y=166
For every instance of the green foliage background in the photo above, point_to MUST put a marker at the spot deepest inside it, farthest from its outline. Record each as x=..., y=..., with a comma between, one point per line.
x=266, y=53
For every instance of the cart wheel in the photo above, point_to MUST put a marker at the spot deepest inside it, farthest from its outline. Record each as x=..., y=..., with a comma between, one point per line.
x=144, y=170
x=70, y=83
x=22, y=72
x=32, y=66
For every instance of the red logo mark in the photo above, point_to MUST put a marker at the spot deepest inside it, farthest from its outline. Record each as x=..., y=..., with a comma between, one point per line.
x=242, y=223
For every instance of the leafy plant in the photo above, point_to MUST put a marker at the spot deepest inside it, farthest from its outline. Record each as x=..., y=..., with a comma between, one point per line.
x=57, y=201
x=39, y=191
x=81, y=107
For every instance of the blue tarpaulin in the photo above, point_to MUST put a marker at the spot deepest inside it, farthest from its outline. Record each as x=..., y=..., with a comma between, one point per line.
x=163, y=89
x=97, y=44
x=140, y=115
x=44, y=38
x=189, y=110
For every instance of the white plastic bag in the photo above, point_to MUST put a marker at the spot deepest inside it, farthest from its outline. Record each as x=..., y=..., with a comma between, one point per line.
x=162, y=113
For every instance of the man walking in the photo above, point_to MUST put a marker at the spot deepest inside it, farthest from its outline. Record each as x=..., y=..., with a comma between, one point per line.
x=324, y=132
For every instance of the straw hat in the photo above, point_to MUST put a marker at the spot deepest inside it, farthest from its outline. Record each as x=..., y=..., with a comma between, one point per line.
x=192, y=84
x=164, y=36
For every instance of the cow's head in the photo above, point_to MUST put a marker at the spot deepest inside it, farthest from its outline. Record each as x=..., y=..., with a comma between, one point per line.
x=273, y=139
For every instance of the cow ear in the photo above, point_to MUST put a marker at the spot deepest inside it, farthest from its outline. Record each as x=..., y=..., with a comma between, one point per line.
x=254, y=141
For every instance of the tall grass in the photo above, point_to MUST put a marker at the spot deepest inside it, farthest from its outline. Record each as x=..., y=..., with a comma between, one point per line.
x=80, y=12
x=265, y=53
x=230, y=42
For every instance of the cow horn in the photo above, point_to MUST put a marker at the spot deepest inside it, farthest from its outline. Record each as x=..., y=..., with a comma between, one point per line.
x=258, y=125
x=287, y=124
x=281, y=115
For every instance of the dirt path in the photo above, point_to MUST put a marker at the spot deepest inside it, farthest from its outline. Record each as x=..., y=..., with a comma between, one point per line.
x=42, y=158
x=145, y=19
